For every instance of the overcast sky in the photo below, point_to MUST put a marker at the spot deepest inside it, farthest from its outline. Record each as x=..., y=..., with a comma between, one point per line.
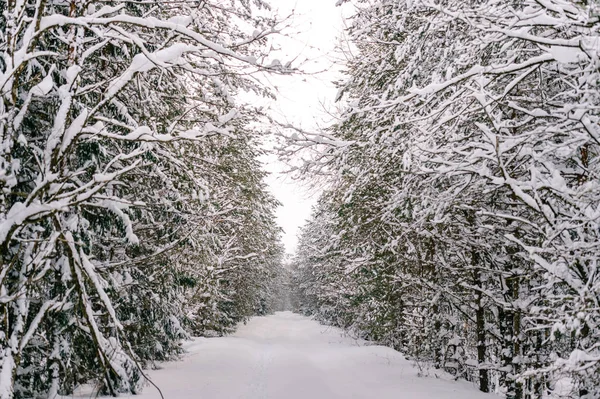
x=303, y=99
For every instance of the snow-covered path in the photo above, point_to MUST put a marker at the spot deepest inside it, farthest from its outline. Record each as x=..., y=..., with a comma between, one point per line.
x=287, y=356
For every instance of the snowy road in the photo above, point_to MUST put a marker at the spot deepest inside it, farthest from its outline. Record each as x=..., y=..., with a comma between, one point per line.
x=288, y=356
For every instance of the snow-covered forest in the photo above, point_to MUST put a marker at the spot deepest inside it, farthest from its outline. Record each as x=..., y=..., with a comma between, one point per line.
x=132, y=208
x=459, y=219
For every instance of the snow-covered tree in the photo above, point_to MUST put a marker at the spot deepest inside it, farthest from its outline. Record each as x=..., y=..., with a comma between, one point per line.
x=467, y=165
x=105, y=108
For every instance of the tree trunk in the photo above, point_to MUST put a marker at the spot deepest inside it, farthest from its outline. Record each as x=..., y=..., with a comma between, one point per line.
x=484, y=383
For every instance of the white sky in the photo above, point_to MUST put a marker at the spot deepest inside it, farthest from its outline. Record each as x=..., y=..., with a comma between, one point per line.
x=302, y=100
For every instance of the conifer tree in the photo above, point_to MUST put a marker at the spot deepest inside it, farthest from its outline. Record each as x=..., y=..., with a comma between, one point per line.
x=466, y=164
x=114, y=121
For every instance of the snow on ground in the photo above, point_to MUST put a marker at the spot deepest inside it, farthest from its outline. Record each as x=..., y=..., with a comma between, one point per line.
x=287, y=356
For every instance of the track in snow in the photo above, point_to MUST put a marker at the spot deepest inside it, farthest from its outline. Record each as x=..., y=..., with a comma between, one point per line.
x=287, y=356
